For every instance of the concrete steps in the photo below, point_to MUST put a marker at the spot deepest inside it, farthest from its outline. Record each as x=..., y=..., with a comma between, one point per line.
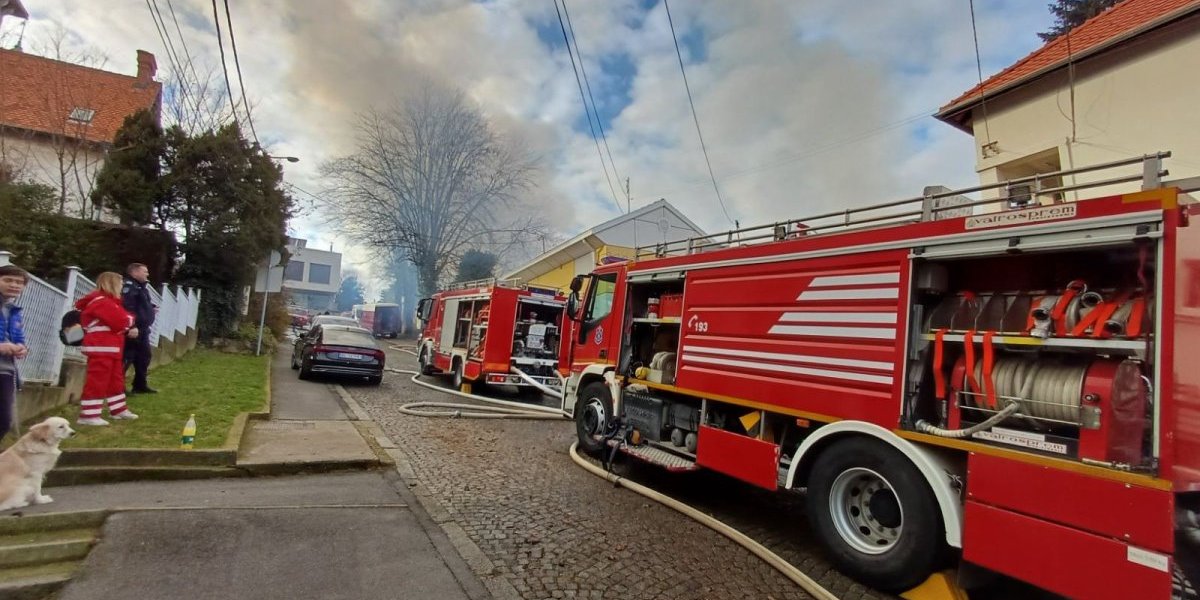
x=41, y=553
x=113, y=474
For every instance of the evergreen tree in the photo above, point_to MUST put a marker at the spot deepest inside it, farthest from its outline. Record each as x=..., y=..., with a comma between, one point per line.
x=476, y=264
x=129, y=183
x=1069, y=14
x=349, y=294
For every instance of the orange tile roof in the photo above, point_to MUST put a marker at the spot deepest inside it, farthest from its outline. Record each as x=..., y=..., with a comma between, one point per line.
x=1125, y=18
x=40, y=93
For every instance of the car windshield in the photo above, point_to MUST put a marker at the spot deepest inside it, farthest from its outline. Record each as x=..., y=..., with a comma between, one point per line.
x=347, y=336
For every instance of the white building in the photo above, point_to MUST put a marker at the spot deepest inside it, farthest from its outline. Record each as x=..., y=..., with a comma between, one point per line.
x=655, y=223
x=1118, y=86
x=312, y=277
x=58, y=119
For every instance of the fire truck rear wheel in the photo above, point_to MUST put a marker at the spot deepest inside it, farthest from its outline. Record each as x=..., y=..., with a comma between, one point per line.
x=457, y=375
x=875, y=514
x=593, y=411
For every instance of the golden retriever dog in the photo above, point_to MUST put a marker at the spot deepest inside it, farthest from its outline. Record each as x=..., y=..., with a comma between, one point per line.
x=23, y=466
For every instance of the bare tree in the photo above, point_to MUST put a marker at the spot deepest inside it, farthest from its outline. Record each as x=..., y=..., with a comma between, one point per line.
x=194, y=100
x=431, y=178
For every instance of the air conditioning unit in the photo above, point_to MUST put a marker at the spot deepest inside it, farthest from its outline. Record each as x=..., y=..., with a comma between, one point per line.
x=1020, y=196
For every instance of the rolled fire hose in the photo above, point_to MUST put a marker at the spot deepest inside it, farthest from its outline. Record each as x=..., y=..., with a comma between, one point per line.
x=797, y=576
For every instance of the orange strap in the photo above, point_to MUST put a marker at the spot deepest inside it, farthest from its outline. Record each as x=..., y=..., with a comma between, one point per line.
x=1099, y=315
x=1133, y=327
x=989, y=359
x=939, y=376
x=1058, y=315
x=969, y=347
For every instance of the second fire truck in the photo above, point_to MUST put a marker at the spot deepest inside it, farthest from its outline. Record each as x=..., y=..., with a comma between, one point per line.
x=1016, y=388
x=493, y=332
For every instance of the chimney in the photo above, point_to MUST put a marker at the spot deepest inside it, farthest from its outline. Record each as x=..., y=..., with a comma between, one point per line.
x=147, y=66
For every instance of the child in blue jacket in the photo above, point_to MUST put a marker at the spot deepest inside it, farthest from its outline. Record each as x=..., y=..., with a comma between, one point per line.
x=12, y=342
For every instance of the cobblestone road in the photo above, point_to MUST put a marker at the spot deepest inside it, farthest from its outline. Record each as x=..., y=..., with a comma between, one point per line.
x=556, y=531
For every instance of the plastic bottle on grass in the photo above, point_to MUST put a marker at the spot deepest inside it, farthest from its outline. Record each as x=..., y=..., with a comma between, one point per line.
x=189, y=434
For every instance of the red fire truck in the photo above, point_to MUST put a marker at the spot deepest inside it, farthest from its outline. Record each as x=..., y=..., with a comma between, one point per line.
x=493, y=332
x=1006, y=386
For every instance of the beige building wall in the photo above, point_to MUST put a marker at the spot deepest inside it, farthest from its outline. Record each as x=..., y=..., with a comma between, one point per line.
x=37, y=159
x=1138, y=99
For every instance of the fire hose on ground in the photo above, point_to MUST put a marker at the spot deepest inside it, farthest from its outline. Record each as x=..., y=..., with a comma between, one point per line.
x=504, y=409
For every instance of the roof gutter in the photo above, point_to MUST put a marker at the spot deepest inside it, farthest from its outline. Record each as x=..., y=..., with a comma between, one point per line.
x=949, y=114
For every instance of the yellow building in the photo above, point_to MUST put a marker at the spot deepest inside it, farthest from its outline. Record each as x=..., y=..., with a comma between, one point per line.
x=654, y=223
x=1115, y=87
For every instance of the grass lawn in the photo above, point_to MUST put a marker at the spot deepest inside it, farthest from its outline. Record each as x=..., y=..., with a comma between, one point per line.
x=213, y=385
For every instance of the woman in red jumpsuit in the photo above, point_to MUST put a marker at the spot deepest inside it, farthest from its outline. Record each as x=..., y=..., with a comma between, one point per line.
x=106, y=324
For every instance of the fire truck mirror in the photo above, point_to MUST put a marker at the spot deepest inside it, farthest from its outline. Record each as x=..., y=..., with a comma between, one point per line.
x=576, y=284
x=573, y=304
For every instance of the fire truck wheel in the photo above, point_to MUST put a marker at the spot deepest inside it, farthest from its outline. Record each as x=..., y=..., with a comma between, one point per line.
x=875, y=514
x=423, y=360
x=457, y=375
x=593, y=410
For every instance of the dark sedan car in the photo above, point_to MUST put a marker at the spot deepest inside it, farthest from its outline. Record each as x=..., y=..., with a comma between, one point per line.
x=338, y=350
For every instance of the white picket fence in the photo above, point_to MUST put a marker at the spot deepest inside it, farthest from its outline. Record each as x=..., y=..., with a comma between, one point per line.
x=44, y=305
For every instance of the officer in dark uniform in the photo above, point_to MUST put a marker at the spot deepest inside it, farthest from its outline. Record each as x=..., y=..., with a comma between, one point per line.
x=135, y=295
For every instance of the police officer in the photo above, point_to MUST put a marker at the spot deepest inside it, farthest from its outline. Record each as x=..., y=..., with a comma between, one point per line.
x=135, y=295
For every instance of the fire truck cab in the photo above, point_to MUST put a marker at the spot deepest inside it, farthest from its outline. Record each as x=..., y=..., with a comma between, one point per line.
x=1010, y=389
x=493, y=332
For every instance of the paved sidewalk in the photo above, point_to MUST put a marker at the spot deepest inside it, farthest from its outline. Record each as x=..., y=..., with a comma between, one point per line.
x=332, y=536
x=309, y=425
x=339, y=535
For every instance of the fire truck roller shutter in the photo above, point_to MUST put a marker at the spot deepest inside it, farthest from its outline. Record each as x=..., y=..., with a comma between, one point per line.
x=939, y=472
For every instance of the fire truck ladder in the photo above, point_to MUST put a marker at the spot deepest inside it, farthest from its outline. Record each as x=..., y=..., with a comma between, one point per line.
x=934, y=205
x=514, y=283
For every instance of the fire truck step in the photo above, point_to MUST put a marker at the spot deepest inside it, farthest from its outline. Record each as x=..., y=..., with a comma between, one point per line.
x=658, y=456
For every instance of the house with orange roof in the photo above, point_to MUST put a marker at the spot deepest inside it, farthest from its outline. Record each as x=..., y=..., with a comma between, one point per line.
x=58, y=120
x=1120, y=85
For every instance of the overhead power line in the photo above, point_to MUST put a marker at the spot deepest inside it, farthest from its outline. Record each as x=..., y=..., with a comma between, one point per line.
x=224, y=69
x=241, y=82
x=588, y=85
x=579, y=82
x=191, y=65
x=696, y=118
x=160, y=25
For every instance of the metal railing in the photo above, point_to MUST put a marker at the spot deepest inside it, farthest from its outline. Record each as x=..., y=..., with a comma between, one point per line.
x=928, y=207
x=514, y=282
x=40, y=304
x=44, y=305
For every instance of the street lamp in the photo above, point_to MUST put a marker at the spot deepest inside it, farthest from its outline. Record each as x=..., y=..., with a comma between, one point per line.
x=291, y=159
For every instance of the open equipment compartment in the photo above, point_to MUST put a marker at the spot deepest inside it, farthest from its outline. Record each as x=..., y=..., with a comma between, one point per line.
x=653, y=344
x=1061, y=341
x=536, y=336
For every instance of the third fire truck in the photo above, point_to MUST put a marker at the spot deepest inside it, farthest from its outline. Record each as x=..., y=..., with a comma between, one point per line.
x=493, y=332
x=1011, y=383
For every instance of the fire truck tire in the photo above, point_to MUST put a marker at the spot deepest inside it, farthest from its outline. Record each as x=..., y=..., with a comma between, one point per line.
x=456, y=376
x=593, y=410
x=425, y=362
x=875, y=514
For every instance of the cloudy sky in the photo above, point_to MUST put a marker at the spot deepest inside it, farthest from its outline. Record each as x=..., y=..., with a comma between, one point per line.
x=804, y=105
